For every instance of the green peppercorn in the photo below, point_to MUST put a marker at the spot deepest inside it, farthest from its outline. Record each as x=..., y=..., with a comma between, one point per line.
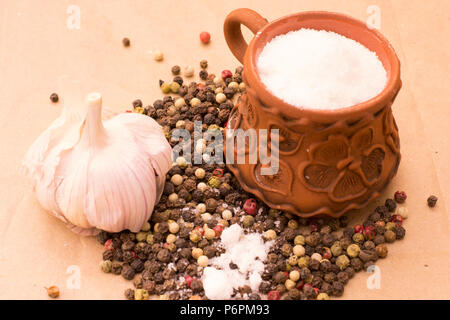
x=389, y=236
x=303, y=261
x=353, y=250
x=342, y=261
x=273, y=213
x=299, y=240
x=214, y=182
x=248, y=221
x=336, y=249
x=149, y=238
x=174, y=87
x=140, y=294
x=293, y=260
x=293, y=224
x=195, y=236
x=141, y=236
x=323, y=296
x=390, y=226
x=140, y=110
x=358, y=237
x=106, y=265
x=381, y=250
x=165, y=87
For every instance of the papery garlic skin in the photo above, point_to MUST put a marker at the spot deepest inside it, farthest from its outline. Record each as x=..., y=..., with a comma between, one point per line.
x=100, y=175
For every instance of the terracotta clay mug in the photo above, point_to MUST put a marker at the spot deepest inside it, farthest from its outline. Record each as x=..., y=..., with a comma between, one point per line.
x=330, y=161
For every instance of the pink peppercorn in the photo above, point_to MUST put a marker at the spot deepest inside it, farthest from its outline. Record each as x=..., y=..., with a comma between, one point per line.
x=134, y=254
x=250, y=207
x=189, y=280
x=397, y=219
x=218, y=173
x=307, y=285
x=218, y=230
x=273, y=295
x=400, y=196
x=314, y=226
x=359, y=228
x=200, y=229
x=109, y=244
x=226, y=74
x=370, y=232
x=300, y=285
x=205, y=37
x=327, y=253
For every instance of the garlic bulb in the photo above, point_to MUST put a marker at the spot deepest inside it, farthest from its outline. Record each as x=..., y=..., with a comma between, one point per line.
x=95, y=174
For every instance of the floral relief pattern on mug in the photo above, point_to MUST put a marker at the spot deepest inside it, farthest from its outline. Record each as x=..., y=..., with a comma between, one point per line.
x=281, y=182
x=289, y=141
x=391, y=131
x=342, y=168
x=234, y=119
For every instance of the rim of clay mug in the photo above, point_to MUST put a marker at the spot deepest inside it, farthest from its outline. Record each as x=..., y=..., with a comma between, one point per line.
x=389, y=60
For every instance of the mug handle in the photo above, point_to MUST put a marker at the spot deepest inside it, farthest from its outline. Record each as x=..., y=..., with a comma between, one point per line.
x=232, y=29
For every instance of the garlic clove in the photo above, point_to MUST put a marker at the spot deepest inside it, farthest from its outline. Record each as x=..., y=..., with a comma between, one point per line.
x=149, y=133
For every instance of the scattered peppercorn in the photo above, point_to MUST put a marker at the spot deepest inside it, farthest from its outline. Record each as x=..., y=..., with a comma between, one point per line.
x=53, y=292
x=400, y=196
x=126, y=42
x=176, y=70
x=189, y=71
x=226, y=74
x=205, y=37
x=204, y=64
x=431, y=201
x=158, y=55
x=54, y=98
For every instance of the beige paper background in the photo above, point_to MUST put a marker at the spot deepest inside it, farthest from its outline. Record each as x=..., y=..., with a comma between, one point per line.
x=37, y=50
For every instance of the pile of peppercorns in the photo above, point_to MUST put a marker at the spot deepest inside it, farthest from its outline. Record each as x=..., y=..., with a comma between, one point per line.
x=310, y=258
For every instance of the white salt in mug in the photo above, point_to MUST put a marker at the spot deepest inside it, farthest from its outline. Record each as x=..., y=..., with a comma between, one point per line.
x=331, y=161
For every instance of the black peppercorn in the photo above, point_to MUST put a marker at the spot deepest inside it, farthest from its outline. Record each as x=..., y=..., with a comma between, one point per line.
x=203, y=64
x=390, y=204
x=54, y=98
x=127, y=272
x=137, y=103
x=163, y=255
x=431, y=201
x=337, y=288
x=203, y=74
x=178, y=80
x=129, y=294
x=149, y=285
x=128, y=257
x=176, y=70
x=399, y=232
x=137, y=265
x=108, y=255
x=116, y=267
